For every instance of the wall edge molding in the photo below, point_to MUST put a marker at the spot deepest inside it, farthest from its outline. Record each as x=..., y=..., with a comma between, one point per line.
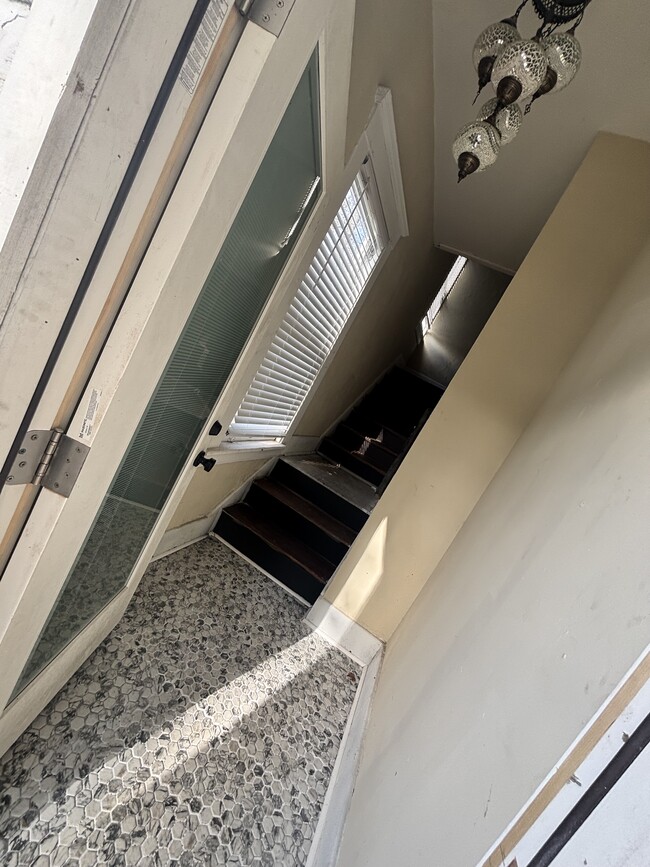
x=326, y=844
x=346, y=634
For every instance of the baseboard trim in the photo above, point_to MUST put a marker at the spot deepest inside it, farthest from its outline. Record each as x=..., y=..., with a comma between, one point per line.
x=325, y=847
x=340, y=630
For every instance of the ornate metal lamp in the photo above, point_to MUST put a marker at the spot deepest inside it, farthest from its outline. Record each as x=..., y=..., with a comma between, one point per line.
x=519, y=69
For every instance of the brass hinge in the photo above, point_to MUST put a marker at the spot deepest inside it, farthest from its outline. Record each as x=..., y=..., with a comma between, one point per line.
x=50, y=459
x=269, y=14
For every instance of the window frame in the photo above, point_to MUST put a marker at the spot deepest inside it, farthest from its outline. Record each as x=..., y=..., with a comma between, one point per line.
x=379, y=142
x=237, y=430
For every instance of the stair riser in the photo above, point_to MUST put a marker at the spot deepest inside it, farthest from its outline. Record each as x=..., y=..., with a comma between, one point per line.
x=320, y=496
x=373, y=428
x=345, y=459
x=314, y=536
x=375, y=454
x=267, y=558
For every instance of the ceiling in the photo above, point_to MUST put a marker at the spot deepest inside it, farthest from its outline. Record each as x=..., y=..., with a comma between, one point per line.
x=495, y=216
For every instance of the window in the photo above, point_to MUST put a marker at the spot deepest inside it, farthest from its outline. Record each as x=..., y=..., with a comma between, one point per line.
x=328, y=294
x=454, y=273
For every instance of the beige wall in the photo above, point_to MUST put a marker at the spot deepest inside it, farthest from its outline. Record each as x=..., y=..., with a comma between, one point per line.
x=394, y=50
x=578, y=259
x=542, y=603
x=207, y=490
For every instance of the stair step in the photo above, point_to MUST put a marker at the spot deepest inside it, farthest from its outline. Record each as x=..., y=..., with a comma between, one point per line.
x=352, y=462
x=301, y=518
x=402, y=379
x=400, y=399
x=395, y=414
x=319, y=481
x=275, y=550
x=369, y=425
x=364, y=446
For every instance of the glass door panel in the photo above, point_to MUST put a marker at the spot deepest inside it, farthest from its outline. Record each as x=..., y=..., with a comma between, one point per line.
x=260, y=240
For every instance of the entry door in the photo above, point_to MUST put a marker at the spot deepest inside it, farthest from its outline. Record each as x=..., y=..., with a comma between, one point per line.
x=155, y=391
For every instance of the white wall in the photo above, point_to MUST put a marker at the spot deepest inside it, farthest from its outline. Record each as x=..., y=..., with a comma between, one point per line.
x=539, y=607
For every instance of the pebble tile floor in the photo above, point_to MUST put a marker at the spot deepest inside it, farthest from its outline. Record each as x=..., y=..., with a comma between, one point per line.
x=202, y=731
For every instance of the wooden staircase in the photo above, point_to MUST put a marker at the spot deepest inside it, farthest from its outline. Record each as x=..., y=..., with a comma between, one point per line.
x=298, y=523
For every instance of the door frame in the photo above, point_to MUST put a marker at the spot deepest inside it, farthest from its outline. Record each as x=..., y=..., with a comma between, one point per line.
x=240, y=124
x=69, y=211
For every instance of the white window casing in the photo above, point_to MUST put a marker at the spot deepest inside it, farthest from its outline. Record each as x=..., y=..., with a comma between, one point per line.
x=369, y=221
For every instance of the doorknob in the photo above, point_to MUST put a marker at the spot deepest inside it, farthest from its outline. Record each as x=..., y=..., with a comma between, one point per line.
x=201, y=461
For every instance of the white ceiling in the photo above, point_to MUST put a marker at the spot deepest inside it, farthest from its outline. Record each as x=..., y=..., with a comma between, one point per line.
x=495, y=216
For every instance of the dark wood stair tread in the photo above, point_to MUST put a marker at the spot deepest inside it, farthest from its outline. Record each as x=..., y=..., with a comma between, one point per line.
x=278, y=539
x=308, y=510
x=329, y=486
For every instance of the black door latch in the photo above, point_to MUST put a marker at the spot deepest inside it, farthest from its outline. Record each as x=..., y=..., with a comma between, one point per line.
x=201, y=461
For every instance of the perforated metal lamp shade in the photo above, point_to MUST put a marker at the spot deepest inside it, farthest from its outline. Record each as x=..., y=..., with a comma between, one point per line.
x=559, y=11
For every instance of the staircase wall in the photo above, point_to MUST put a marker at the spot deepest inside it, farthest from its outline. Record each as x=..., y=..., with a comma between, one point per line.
x=540, y=606
x=572, y=269
x=208, y=490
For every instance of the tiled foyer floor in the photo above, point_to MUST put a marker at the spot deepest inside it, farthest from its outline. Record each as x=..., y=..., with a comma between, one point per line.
x=203, y=731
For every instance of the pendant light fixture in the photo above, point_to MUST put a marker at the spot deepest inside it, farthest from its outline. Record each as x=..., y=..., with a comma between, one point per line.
x=519, y=69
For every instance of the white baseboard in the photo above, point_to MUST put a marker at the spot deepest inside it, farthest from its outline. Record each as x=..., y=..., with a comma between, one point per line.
x=331, y=824
x=340, y=630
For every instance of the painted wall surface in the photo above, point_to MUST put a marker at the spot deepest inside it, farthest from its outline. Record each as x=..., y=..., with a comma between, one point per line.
x=460, y=320
x=207, y=490
x=542, y=602
x=394, y=50
x=596, y=230
x=528, y=178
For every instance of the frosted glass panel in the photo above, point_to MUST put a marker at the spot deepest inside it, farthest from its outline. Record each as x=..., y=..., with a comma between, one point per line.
x=262, y=236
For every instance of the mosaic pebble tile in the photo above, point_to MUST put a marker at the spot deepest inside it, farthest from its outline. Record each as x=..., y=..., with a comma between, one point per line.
x=202, y=731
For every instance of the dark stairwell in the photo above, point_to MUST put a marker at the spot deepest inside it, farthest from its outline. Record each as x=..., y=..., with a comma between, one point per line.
x=298, y=523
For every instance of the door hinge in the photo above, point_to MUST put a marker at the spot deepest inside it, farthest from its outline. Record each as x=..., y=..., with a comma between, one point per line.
x=269, y=14
x=50, y=459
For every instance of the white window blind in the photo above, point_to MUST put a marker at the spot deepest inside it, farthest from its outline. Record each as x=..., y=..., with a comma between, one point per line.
x=327, y=296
